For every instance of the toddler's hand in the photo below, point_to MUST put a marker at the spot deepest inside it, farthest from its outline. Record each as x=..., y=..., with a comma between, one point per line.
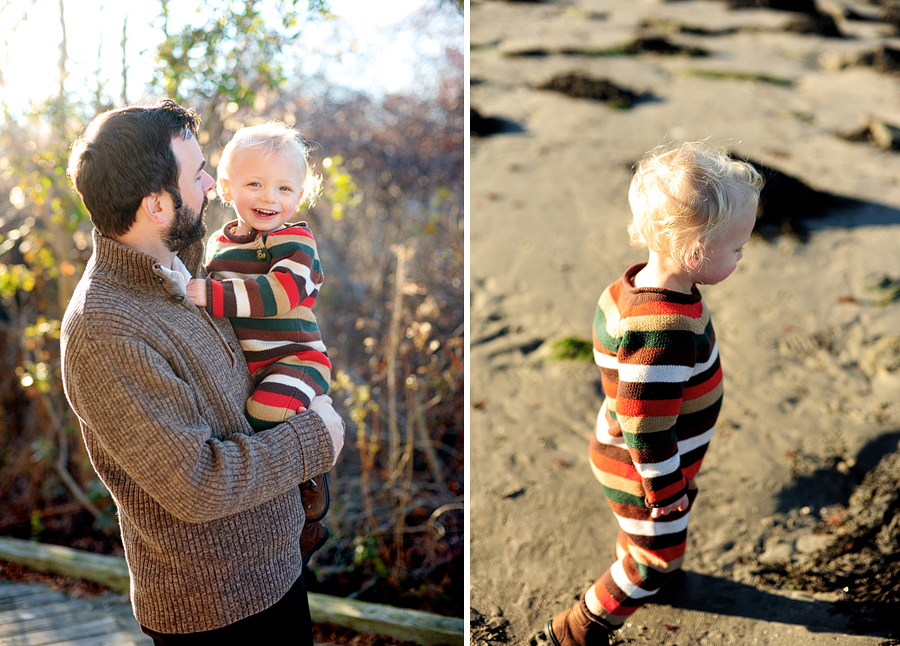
x=321, y=405
x=196, y=291
x=681, y=505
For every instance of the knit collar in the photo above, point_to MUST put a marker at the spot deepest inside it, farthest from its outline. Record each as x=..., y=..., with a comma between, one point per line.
x=124, y=264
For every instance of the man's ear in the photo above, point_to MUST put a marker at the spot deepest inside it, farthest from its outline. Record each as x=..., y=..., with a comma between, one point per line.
x=154, y=206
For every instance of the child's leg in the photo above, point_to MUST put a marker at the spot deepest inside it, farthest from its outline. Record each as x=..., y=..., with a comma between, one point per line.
x=649, y=550
x=285, y=388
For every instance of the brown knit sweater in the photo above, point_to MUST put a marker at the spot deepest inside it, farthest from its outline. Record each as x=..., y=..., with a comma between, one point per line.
x=209, y=510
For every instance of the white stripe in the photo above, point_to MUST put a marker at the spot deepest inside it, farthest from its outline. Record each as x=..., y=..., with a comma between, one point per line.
x=621, y=579
x=700, y=367
x=286, y=380
x=255, y=345
x=592, y=602
x=657, y=469
x=605, y=360
x=602, y=431
x=242, y=300
x=640, y=373
x=653, y=527
x=694, y=442
x=296, y=267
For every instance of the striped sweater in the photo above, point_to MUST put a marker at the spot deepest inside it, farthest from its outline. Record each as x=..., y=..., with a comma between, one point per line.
x=659, y=366
x=267, y=284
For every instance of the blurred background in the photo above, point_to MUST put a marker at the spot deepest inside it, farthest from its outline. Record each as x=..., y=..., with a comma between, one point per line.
x=380, y=94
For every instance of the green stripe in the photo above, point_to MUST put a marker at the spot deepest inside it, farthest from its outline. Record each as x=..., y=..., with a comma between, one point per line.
x=607, y=341
x=259, y=424
x=237, y=253
x=270, y=305
x=622, y=497
x=275, y=323
x=658, y=339
x=649, y=441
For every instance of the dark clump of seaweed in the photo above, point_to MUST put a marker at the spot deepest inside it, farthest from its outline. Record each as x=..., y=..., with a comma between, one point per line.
x=581, y=86
x=786, y=201
x=861, y=558
x=814, y=24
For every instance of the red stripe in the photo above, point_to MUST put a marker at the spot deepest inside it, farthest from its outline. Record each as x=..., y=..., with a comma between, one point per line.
x=292, y=231
x=706, y=387
x=690, y=472
x=648, y=407
x=667, y=492
x=612, y=606
x=218, y=299
x=290, y=287
x=277, y=400
x=661, y=308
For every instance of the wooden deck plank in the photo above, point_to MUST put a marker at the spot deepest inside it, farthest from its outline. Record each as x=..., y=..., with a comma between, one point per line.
x=36, y=612
x=67, y=616
x=32, y=600
x=94, y=628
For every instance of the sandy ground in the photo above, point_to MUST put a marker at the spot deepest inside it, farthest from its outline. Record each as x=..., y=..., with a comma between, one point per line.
x=806, y=410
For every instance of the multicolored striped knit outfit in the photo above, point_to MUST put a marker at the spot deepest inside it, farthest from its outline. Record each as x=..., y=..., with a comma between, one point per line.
x=267, y=283
x=659, y=366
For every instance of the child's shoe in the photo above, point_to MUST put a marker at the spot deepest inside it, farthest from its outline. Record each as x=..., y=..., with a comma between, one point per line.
x=573, y=627
x=312, y=538
x=315, y=498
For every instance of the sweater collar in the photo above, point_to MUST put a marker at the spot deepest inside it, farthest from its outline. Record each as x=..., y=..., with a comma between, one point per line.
x=128, y=265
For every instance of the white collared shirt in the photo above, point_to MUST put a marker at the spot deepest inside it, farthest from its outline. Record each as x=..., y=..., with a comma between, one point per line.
x=179, y=273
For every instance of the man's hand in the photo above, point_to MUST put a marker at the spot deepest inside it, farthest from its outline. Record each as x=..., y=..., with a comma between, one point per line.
x=681, y=504
x=321, y=405
x=196, y=291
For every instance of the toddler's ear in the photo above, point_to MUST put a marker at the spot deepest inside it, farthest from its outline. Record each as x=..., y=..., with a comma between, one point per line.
x=692, y=258
x=225, y=193
x=299, y=201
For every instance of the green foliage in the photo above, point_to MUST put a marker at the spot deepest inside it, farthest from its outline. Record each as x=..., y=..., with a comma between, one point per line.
x=340, y=189
x=737, y=76
x=887, y=290
x=572, y=349
x=366, y=556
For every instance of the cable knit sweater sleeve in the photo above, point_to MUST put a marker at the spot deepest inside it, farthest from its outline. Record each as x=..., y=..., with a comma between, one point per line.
x=148, y=420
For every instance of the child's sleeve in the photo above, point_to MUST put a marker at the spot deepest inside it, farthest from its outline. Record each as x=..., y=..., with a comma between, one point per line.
x=654, y=365
x=289, y=275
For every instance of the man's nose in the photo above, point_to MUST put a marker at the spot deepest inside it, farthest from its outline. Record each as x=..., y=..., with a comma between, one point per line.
x=207, y=182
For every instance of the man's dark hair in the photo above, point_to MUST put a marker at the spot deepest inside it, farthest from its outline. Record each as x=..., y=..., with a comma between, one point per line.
x=125, y=155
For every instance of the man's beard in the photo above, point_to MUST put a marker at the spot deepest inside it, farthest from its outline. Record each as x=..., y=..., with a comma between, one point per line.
x=187, y=227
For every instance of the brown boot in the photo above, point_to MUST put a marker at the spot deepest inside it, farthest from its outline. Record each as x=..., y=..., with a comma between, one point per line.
x=315, y=498
x=573, y=627
x=312, y=538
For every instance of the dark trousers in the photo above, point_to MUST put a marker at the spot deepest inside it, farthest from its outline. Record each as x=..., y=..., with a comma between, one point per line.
x=289, y=616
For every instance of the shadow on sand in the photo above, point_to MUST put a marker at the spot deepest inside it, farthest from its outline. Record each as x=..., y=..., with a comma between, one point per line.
x=710, y=594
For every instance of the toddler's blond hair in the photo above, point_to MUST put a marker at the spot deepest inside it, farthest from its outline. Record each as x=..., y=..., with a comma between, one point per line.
x=680, y=197
x=270, y=138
